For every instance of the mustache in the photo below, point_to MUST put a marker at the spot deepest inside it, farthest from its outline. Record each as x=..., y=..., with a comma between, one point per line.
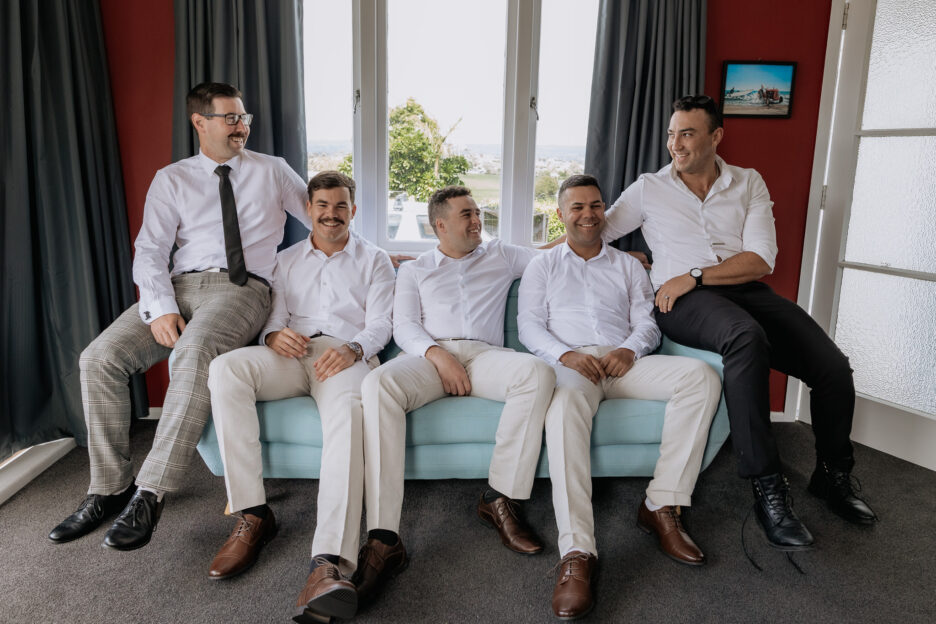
x=240, y=135
x=330, y=220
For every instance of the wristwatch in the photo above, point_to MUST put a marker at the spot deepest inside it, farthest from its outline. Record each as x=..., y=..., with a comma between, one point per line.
x=357, y=349
x=697, y=274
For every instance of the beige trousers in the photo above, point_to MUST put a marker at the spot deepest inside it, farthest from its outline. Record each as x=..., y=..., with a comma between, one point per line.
x=239, y=379
x=692, y=390
x=525, y=384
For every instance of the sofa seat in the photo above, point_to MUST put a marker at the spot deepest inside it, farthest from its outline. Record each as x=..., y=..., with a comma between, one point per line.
x=453, y=437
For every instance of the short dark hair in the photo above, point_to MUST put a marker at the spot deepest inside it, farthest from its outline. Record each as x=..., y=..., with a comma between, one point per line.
x=199, y=99
x=579, y=179
x=330, y=180
x=438, y=202
x=703, y=102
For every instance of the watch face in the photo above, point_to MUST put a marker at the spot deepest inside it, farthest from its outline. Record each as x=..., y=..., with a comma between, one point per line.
x=696, y=272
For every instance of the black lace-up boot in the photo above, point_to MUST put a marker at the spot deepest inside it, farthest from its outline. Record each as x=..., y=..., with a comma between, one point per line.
x=776, y=516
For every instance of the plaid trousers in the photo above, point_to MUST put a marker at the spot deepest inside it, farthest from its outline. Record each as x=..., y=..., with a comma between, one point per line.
x=220, y=316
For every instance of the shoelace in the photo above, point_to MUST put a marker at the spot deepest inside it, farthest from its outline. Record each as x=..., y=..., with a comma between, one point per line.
x=330, y=569
x=134, y=510
x=245, y=526
x=781, y=497
x=573, y=561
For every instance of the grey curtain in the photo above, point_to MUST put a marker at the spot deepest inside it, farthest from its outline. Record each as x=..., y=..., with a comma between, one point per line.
x=648, y=53
x=256, y=45
x=66, y=243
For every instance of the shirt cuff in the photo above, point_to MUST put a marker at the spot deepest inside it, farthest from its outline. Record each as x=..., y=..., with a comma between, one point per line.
x=638, y=349
x=555, y=352
x=160, y=306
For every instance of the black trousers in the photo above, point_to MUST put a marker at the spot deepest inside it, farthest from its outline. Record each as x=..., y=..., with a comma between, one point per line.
x=755, y=329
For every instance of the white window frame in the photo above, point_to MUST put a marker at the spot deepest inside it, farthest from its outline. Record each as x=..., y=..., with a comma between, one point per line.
x=518, y=157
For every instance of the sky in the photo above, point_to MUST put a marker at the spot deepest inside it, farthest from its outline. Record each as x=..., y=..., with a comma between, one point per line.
x=753, y=76
x=450, y=57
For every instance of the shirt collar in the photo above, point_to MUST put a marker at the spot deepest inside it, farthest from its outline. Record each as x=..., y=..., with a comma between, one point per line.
x=210, y=165
x=350, y=247
x=566, y=250
x=723, y=180
x=440, y=257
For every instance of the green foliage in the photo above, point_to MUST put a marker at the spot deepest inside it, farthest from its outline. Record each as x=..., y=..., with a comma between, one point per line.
x=347, y=166
x=555, y=228
x=418, y=163
x=545, y=187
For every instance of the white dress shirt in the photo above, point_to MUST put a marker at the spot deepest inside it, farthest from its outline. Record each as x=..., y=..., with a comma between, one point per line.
x=183, y=206
x=348, y=295
x=438, y=297
x=567, y=302
x=685, y=232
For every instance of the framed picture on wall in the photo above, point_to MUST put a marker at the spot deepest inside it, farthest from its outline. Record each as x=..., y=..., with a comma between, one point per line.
x=757, y=89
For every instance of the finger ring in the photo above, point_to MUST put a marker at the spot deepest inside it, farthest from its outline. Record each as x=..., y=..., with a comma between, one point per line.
x=666, y=296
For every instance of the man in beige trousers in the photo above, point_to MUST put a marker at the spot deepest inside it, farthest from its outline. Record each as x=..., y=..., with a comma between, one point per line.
x=332, y=304
x=586, y=308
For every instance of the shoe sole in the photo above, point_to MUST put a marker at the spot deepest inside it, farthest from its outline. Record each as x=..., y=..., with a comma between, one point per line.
x=491, y=525
x=340, y=603
x=650, y=531
x=263, y=542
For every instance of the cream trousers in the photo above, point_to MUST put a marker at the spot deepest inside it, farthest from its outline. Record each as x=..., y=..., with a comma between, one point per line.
x=239, y=379
x=691, y=389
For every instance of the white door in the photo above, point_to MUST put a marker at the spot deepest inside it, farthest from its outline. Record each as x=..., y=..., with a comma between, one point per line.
x=869, y=270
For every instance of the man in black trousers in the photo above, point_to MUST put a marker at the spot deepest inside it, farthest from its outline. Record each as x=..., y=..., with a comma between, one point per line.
x=711, y=230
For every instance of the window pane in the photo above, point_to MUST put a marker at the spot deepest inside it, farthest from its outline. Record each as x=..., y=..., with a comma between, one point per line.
x=888, y=330
x=567, y=53
x=329, y=77
x=445, y=75
x=901, y=90
x=894, y=203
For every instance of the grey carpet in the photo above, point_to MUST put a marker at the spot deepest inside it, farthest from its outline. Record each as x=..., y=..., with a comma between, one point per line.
x=460, y=572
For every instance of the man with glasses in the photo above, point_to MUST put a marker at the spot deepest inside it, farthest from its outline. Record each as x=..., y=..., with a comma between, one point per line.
x=224, y=209
x=711, y=230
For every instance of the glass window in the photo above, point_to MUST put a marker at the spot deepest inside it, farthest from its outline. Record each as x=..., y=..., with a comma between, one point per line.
x=567, y=52
x=329, y=106
x=445, y=77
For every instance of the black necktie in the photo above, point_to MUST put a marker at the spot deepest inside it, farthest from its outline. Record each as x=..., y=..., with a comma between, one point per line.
x=237, y=271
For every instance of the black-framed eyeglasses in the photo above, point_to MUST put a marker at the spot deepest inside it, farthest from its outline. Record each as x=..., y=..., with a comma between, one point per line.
x=231, y=119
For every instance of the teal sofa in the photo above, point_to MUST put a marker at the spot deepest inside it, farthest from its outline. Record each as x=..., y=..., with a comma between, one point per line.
x=453, y=437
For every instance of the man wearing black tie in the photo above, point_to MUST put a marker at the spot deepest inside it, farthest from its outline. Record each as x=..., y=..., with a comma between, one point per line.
x=224, y=209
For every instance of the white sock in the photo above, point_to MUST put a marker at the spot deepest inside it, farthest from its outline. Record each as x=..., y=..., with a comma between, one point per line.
x=651, y=505
x=159, y=495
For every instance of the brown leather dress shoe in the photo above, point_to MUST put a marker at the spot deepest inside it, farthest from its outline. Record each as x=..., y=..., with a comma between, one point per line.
x=240, y=550
x=326, y=594
x=503, y=514
x=572, y=597
x=674, y=541
x=377, y=564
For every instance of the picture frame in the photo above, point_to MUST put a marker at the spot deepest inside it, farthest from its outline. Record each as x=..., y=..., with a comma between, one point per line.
x=763, y=89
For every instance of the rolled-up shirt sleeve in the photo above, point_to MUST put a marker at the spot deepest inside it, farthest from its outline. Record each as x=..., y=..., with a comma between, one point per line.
x=645, y=334
x=408, y=330
x=533, y=314
x=378, y=312
x=625, y=214
x=759, y=233
x=294, y=194
x=152, y=248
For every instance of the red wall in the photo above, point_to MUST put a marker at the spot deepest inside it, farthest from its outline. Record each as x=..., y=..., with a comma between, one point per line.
x=140, y=44
x=780, y=149
x=139, y=36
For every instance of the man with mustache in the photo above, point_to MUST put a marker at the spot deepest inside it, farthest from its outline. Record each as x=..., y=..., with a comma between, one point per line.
x=332, y=304
x=448, y=317
x=224, y=209
x=585, y=308
x=711, y=229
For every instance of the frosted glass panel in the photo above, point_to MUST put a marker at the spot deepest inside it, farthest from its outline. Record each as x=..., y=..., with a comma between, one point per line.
x=893, y=211
x=887, y=328
x=901, y=91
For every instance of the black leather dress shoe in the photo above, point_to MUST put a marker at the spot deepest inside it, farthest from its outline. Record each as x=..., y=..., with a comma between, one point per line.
x=783, y=528
x=134, y=527
x=90, y=514
x=834, y=486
